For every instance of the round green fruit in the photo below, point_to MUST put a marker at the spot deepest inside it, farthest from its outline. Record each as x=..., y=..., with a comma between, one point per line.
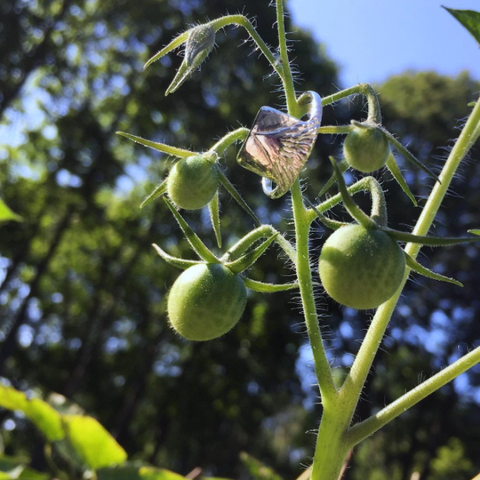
x=361, y=268
x=366, y=149
x=206, y=301
x=192, y=182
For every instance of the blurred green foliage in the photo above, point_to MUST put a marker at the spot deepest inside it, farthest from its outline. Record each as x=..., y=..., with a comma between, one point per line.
x=83, y=294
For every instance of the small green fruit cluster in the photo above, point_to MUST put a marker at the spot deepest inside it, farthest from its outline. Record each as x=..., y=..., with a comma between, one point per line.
x=361, y=268
x=206, y=301
x=193, y=182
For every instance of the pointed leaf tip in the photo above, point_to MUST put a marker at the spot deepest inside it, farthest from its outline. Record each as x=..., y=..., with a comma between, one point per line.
x=470, y=19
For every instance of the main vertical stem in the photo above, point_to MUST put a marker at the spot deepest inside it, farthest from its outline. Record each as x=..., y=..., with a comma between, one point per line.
x=331, y=450
x=304, y=274
x=286, y=76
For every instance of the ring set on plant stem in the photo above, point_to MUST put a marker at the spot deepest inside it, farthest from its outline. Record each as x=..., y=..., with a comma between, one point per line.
x=361, y=265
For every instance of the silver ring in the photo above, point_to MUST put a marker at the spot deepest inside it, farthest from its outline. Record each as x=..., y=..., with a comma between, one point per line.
x=278, y=145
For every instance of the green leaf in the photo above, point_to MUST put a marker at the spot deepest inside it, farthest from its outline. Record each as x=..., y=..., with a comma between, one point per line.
x=6, y=214
x=426, y=272
x=268, y=287
x=45, y=417
x=242, y=263
x=161, y=147
x=136, y=472
x=475, y=232
x=198, y=246
x=257, y=469
x=93, y=444
x=158, y=192
x=214, y=208
x=397, y=175
x=469, y=19
x=175, y=261
x=236, y=196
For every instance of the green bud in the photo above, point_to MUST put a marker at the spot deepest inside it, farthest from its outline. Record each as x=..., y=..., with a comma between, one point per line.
x=200, y=43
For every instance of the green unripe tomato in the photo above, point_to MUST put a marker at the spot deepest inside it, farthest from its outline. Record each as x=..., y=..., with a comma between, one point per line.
x=366, y=149
x=361, y=268
x=206, y=301
x=192, y=182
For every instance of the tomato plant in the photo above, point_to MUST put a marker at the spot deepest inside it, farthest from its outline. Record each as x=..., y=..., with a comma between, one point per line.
x=361, y=264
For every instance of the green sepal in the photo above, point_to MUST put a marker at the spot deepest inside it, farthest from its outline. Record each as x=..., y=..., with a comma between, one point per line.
x=160, y=190
x=471, y=104
x=353, y=209
x=329, y=223
x=343, y=167
x=247, y=260
x=197, y=245
x=175, y=261
x=161, y=147
x=175, y=43
x=426, y=272
x=407, y=154
x=268, y=287
x=235, y=195
x=475, y=232
x=428, y=241
x=214, y=209
x=397, y=175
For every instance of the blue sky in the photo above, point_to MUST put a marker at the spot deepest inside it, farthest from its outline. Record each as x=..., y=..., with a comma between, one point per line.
x=372, y=39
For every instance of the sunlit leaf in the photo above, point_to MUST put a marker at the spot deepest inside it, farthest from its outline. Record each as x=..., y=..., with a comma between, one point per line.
x=6, y=214
x=257, y=469
x=469, y=19
x=16, y=467
x=93, y=444
x=135, y=472
x=45, y=418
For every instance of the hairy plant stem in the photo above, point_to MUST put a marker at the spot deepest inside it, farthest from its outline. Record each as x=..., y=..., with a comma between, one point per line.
x=304, y=275
x=374, y=112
